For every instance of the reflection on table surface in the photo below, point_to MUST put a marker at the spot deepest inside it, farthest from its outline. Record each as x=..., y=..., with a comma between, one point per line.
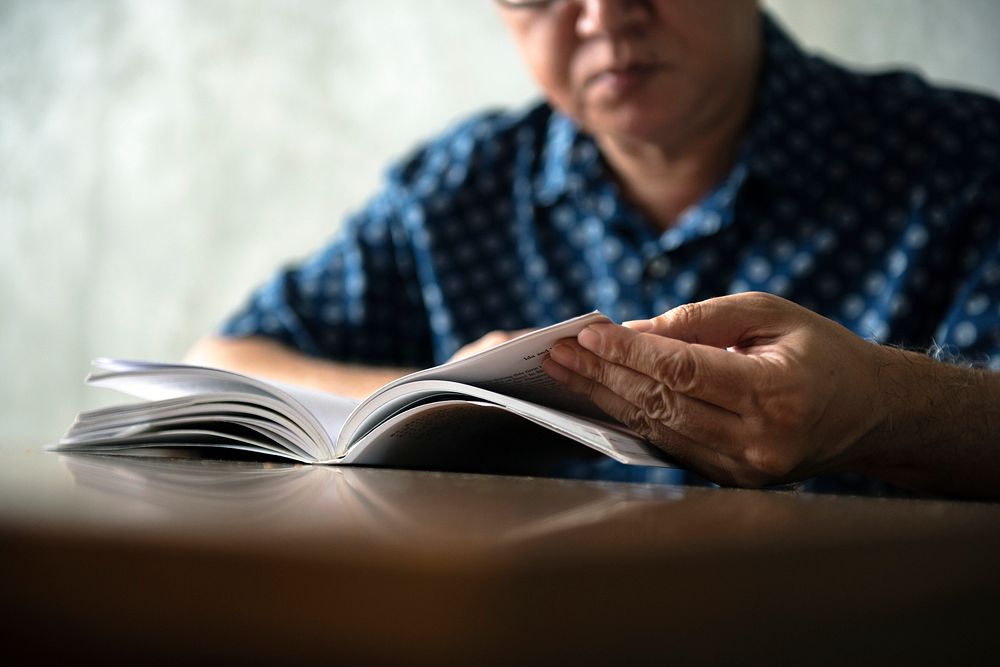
x=254, y=501
x=384, y=504
x=270, y=563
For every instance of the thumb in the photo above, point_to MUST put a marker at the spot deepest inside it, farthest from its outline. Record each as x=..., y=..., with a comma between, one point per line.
x=723, y=321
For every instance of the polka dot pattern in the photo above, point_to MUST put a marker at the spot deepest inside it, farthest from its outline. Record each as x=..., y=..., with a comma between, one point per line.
x=871, y=199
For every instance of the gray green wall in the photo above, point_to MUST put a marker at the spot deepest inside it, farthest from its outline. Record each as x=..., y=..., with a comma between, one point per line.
x=160, y=157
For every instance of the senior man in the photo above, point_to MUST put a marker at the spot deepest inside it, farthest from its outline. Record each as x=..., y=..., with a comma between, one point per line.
x=789, y=225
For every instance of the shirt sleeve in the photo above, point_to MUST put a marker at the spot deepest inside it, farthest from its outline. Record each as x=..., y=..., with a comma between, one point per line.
x=358, y=299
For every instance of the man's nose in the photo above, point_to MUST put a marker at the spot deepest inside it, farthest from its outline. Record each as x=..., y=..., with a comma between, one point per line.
x=602, y=18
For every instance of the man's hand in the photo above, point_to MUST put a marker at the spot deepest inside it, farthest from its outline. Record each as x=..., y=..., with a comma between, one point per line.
x=747, y=389
x=257, y=355
x=492, y=339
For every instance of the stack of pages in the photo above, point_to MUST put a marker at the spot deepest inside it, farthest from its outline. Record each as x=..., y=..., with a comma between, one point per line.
x=398, y=424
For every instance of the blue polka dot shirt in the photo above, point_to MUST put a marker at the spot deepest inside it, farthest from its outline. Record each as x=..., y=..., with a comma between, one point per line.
x=873, y=200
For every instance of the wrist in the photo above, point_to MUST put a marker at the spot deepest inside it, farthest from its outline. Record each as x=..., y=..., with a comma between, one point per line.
x=902, y=396
x=934, y=426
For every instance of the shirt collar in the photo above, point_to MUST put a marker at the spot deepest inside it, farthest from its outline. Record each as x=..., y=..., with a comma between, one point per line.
x=786, y=77
x=568, y=157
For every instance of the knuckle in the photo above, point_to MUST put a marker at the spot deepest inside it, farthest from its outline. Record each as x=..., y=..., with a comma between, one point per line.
x=760, y=298
x=656, y=404
x=617, y=348
x=635, y=419
x=631, y=416
x=767, y=304
x=685, y=315
x=765, y=463
x=593, y=367
x=788, y=412
x=589, y=389
x=679, y=371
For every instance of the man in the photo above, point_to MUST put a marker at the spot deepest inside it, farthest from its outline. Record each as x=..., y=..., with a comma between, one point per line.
x=688, y=149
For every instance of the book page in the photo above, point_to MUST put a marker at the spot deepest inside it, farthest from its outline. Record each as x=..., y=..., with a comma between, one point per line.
x=515, y=368
x=404, y=403
x=319, y=415
x=323, y=427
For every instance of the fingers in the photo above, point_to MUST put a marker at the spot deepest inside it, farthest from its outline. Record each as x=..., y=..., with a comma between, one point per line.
x=489, y=340
x=725, y=321
x=701, y=372
x=692, y=444
x=615, y=405
x=738, y=386
x=643, y=402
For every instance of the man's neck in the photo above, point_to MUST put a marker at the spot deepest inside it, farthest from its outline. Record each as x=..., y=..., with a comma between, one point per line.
x=663, y=176
x=663, y=184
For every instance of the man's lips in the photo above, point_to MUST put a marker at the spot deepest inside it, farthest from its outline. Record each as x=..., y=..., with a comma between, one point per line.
x=620, y=79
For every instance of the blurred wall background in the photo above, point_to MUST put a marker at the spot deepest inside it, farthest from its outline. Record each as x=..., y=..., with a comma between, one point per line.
x=161, y=157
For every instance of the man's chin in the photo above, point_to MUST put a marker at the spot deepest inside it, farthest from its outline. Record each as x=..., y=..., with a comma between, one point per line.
x=627, y=124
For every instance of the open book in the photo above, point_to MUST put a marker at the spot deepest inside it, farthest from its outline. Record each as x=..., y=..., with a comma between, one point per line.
x=408, y=422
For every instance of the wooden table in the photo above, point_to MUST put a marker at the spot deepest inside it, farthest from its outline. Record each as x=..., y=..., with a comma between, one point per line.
x=122, y=559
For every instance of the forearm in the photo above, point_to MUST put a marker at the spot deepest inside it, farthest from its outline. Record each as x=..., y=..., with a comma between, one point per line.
x=939, y=429
x=267, y=358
